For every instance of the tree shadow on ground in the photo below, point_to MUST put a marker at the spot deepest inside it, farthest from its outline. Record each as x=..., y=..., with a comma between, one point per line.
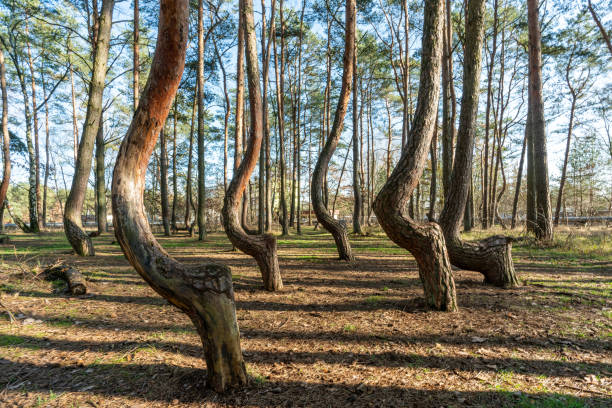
x=166, y=383
x=468, y=363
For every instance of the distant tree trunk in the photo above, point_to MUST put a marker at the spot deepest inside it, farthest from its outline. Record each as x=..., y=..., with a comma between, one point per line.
x=264, y=167
x=100, y=182
x=14, y=53
x=468, y=218
x=163, y=183
x=519, y=178
x=433, y=154
x=389, y=138
x=47, y=136
x=261, y=247
x=329, y=223
x=36, y=134
x=575, y=91
x=298, y=148
x=201, y=165
x=544, y=228
x=531, y=194
x=204, y=292
x=424, y=241
x=602, y=29
x=174, y=173
x=492, y=256
x=136, y=49
x=280, y=92
x=486, y=178
x=357, y=197
x=6, y=152
x=75, y=126
x=188, y=193
x=239, y=116
x=77, y=237
x=448, y=101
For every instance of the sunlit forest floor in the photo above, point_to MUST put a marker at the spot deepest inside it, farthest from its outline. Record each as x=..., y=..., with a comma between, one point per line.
x=339, y=334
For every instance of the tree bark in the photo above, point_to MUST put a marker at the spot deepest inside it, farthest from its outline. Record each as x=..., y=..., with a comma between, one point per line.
x=357, y=197
x=36, y=134
x=280, y=92
x=329, y=223
x=424, y=241
x=261, y=247
x=100, y=182
x=433, y=155
x=47, y=141
x=201, y=212
x=174, y=173
x=69, y=274
x=448, y=102
x=602, y=29
x=544, y=228
x=531, y=194
x=136, y=57
x=491, y=256
x=204, y=292
x=6, y=152
x=163, y=181
x=519, y=178
x=14, y=53
x=77, y=237
x=188, y=193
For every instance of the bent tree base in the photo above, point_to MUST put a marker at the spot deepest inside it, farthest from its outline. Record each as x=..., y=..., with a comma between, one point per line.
x=205, y=293
x=491, y=256
x=214, y=317
x=340, y=234
x=426, y=243
x=79, y=239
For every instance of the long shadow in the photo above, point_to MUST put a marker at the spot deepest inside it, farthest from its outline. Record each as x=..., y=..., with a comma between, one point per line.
x=596, y=269
x=549, y=343
x=118, y=281
x=163, y=382
x=141, y=300
x=384, y=359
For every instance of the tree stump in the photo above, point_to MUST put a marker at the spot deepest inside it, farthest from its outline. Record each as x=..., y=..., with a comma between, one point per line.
x=72, y=276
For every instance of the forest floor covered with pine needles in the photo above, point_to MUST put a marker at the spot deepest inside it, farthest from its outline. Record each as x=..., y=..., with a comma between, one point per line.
x=339, y=334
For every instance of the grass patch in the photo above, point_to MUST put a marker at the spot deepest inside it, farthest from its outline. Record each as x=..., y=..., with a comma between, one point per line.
x=551, y=401
x=374, y=299
x=10, y=340
x=61, y=323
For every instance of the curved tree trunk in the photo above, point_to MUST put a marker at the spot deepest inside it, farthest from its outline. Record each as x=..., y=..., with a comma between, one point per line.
x=424, y=241
x=261, y=247
x=203, y=292
x=77, y=237
x=329, y=223
x=491, y=256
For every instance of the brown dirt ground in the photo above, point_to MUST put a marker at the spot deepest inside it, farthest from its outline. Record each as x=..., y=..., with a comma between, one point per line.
x=339, y=334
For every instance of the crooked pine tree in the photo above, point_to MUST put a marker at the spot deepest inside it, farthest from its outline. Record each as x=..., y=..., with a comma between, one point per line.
x=203, y=292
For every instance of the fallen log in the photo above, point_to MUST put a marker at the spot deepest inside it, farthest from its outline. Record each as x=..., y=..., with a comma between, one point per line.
x=72, y=276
